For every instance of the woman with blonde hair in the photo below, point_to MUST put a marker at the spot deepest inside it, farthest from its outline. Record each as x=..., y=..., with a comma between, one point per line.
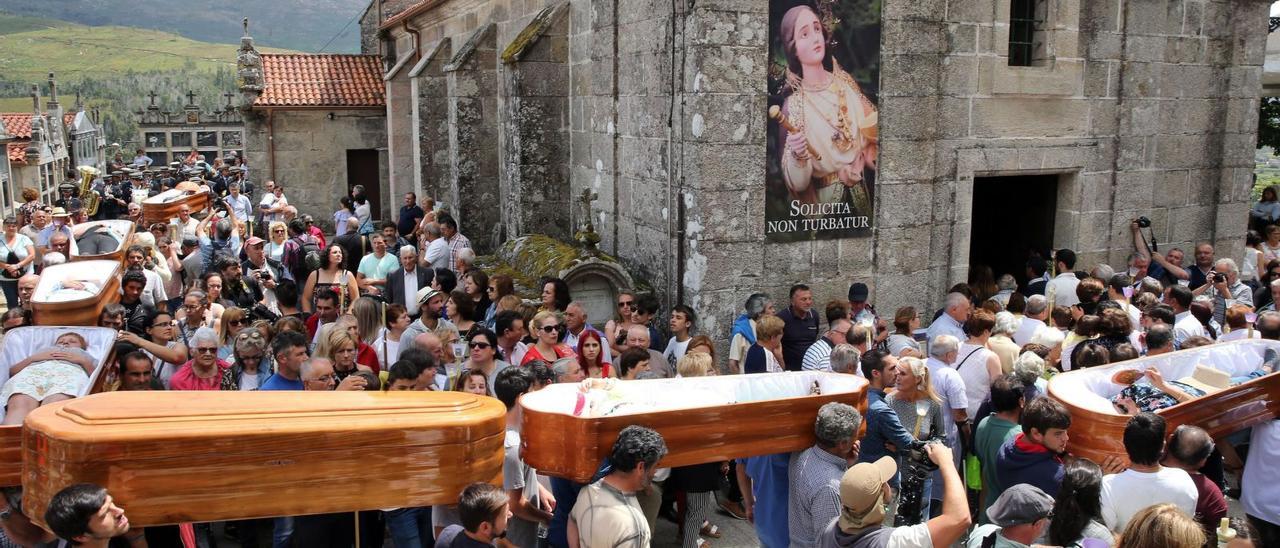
x=277, y=235
x=700, y=481
x=918, y=407
x=765, y=356
x=340, y=348
x=547, y=329
x=1162, y=526
x=365, y=354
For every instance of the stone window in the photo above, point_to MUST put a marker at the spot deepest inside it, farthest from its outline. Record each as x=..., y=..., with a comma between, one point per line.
x=1026, y=33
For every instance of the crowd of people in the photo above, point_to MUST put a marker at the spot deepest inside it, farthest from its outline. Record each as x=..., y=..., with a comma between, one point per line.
x=962, y=443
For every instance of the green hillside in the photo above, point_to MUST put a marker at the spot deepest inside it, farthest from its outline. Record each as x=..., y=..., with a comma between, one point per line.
x=31, y=47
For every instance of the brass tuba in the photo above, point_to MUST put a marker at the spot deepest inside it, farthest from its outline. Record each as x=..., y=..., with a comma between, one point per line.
x=88, y=198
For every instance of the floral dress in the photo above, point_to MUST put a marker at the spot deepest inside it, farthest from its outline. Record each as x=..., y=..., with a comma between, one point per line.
x=46, y=378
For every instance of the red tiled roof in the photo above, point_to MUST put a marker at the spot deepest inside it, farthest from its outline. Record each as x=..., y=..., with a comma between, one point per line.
x=18, y=152
x=17, y=124
x=323, y=80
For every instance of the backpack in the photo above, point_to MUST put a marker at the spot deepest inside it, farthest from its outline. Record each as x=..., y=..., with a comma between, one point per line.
x=304, y=256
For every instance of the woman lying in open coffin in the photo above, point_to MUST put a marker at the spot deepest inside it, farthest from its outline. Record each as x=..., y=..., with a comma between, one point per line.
x=51, y=375
x=1148, y=391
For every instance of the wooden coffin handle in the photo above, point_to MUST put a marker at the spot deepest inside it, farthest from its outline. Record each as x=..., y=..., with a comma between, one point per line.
x=776, y=113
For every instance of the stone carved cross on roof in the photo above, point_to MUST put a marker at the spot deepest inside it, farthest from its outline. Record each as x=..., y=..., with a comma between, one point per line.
x=587, y=236
x=191, y=98
x=229, y=96
x=152, y=96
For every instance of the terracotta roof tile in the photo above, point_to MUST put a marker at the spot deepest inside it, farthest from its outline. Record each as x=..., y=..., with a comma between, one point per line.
x=17, y=124
x=18, y=152
x=323, y=80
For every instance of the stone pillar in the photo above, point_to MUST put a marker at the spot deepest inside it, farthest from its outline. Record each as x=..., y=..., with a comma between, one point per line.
x=473, y=140
x=430, y=93
x=400, y=146
x=535, y=140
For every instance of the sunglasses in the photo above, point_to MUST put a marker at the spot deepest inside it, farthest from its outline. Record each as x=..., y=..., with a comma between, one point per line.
x=202, y=350
x=480, y=345
x=235, y=322
x=626, y=304
x=552, y=328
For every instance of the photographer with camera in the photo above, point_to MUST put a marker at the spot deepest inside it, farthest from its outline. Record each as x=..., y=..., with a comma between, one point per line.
x=864, y=492
x=1167, y=269
x=1223, y=285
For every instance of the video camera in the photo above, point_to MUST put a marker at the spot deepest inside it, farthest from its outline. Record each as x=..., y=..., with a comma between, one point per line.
x=916, y=469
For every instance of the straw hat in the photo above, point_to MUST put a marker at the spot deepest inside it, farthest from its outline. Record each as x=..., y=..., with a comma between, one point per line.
x=1208, y=379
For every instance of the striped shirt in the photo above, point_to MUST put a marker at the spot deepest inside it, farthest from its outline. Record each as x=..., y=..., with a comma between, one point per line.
x=818, y=356
x=814, y=497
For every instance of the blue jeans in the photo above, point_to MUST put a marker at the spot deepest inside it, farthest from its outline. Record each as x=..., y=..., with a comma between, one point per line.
x=10, y=288
x=410, y=527
x=283, y=530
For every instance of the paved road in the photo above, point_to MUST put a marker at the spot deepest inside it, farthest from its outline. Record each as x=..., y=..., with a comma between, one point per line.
x=734, y=533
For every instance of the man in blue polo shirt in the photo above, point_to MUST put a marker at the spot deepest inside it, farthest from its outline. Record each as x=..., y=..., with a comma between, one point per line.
x=800, y=328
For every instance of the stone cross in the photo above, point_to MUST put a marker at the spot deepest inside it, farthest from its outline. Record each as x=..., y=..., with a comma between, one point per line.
x=228, y=95
x=191, y=98
x=152, y=95
x=245, y=22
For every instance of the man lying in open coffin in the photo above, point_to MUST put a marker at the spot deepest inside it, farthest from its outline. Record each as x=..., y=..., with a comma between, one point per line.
x=47, y=376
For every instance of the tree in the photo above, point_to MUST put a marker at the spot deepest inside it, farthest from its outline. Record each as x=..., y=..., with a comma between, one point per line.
x=1269, y=123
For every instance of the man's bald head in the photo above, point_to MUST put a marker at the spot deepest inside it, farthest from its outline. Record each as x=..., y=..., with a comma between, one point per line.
x=1189, y=447
x=431, y=343
x=27, y=287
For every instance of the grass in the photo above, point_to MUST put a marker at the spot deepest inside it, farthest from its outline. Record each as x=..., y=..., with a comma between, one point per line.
x=30, y=48
x=23, y=104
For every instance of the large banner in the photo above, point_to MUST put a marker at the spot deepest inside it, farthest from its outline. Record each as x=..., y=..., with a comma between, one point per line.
x=823, y=145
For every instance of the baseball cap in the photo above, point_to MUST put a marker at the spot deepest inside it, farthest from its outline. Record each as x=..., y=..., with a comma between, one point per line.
x=425, y=294
x=861, y=493
x=858, y=292
x=254, y=240
x=1021, y=504
x=190, y=241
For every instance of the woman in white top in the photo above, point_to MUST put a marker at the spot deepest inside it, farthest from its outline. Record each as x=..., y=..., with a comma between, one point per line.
x=977, y=364
x=277, y=235
x=905, y=321
x=387, y=345
x=1253, y=262
x=345, y=212
x=17, y=252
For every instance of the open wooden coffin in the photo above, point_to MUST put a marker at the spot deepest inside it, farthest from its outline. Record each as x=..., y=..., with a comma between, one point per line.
x=164, y=206
x=24, y=341
x=1097, y=428
x=702, y=419
x=119, y=229
x=73, y=306
x=172, y=457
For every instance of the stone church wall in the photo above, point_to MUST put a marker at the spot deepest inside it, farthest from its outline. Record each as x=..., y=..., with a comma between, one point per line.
x=1139, y=106
x=310, y=155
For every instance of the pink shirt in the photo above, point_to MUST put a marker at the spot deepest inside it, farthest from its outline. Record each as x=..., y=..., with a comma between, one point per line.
x=185, y=378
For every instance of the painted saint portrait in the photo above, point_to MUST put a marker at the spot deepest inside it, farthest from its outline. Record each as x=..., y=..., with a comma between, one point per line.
x=823, y=120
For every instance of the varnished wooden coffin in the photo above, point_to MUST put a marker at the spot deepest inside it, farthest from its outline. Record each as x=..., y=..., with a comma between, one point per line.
x=752, y=415
x=1097, y=428
x=164, y=206
x=50, y=308
x=120, y=229
x=171, y=457
x=24, y=341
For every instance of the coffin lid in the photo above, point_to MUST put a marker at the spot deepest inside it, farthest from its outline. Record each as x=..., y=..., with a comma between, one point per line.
x=140, y=417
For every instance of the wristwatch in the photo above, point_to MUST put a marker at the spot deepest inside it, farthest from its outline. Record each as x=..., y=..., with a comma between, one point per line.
x=4, y=514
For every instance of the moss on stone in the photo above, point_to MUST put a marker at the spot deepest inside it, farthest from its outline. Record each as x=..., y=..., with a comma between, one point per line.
x=529, y=258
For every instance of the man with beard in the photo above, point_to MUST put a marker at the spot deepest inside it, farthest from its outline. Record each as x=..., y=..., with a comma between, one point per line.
x=153, y=293
x=431, y=304
x=484, y=510
x=136, y=373
x=607, y=512
x=243, y=292
x=266, y=271
x=135, y=311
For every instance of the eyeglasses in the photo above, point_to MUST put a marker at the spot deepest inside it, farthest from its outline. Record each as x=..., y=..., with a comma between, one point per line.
x=235, y=322
x=206, y=350
x=626, y=304
x=325, y=379
x=480, y=345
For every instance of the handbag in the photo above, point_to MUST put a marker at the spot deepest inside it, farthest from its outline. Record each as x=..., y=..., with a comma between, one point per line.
x=10, y=258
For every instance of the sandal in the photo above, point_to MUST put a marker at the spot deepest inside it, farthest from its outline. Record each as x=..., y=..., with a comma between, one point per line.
x=710, y=530
x=702, y=543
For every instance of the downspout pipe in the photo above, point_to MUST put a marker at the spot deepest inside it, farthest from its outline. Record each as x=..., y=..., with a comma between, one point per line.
x=271, y=141
x=417, y=40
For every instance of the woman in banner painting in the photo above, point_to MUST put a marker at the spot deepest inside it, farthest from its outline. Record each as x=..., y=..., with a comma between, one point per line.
x=831, y=135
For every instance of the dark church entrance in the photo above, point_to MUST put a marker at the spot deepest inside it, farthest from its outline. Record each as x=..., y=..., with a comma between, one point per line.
x=362, y=169
x=1013, y=217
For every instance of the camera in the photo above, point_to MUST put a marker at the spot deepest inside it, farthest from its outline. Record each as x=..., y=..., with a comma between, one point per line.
x=1216, y=277
x=916, y=469
x=1143, y=222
